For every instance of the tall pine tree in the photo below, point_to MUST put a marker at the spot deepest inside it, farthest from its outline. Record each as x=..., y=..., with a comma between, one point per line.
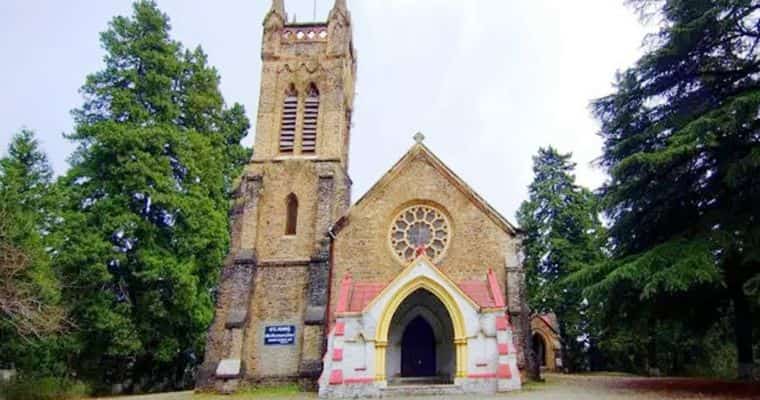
x=145, y=228
x=563, y=235
x=682, y=145
x=31, y=313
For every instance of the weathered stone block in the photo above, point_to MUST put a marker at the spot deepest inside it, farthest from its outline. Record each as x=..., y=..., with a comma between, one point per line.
x=236, y=319
x=315, y=315
x=227, y=386
x=236, y=344
x=311, y=368
x=229, y=369
x=245, y=256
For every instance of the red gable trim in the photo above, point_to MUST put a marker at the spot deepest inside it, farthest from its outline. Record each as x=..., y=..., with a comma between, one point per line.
x=496, y=293
x=362, y=294
x=343, y=296
x=479, y=292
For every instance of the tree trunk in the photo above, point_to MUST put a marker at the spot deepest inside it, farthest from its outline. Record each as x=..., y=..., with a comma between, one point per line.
x=564, y=353
x=652, y=366
x=532, y=364
x=743, y=330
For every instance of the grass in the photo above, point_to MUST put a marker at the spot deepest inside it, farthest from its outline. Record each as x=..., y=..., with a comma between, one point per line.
x=42, y=389
x=534, y=385
x=281, y=390
x=254, y=392
x=608, y=373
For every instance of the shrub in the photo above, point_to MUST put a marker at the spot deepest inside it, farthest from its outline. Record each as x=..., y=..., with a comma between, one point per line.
x=42, y=389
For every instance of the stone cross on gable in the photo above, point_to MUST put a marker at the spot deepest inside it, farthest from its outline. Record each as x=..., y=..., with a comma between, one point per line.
x=419, y=137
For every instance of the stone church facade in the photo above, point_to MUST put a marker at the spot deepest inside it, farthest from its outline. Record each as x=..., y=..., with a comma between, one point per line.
x=419, y=282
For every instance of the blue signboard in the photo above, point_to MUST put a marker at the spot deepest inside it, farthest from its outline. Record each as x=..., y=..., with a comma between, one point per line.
x=278, y=335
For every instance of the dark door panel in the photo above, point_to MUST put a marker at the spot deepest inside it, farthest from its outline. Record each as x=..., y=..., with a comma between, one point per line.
x=418, y=350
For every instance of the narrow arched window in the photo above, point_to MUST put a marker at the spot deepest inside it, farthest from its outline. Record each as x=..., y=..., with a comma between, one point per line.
x=310, y=117
x=292, y=214
x=288, y=125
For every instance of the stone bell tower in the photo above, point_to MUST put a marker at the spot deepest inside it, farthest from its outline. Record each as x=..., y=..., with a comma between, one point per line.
x=270, y=316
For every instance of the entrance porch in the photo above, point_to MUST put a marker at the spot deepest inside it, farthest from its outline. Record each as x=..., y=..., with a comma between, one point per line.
x=421, y=331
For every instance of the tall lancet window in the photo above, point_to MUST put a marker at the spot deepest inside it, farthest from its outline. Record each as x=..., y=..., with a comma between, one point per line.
x=291, y=221
x=310, y=117
x=288, y=127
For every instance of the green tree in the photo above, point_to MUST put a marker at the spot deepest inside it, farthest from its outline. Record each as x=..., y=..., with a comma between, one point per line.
x=682, y=147
x=564, y=234
x=31, y=313
x=145, y=226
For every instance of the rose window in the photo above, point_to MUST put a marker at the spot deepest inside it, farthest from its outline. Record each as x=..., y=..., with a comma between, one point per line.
x=419, y=230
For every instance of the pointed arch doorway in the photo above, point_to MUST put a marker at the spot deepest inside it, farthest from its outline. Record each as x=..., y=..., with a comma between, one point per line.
x=421, y=341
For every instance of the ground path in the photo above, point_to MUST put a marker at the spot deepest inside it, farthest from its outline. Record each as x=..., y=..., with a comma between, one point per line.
x=564, y=387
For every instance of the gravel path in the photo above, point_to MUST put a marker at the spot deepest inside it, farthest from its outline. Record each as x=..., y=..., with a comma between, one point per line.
x=559, y=387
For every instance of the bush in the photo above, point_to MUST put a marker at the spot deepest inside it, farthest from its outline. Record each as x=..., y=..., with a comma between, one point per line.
x=42, y=389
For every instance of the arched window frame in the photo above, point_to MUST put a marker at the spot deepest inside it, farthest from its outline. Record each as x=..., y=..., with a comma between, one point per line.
x=288, y=120
x=291, y=215
x=310, y=120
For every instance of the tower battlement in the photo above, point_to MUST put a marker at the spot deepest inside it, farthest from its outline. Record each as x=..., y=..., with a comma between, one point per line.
x=304, y=32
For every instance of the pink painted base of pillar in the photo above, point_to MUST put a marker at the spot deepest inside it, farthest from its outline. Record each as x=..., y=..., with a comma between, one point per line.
x=336, y=377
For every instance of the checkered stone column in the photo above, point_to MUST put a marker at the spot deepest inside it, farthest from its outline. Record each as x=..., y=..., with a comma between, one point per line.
x=507, y=374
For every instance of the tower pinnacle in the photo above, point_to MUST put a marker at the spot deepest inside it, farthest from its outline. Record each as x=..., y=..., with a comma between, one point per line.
x=340, y=8
x=278, y=6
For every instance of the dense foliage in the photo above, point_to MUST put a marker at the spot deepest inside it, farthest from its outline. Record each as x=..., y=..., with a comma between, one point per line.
x=563, y=235
x=108, y=273
x=31, y=313
x=682, y=147
x=144, y=222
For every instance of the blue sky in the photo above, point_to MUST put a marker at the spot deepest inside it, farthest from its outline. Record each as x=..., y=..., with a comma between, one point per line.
x=487, y=81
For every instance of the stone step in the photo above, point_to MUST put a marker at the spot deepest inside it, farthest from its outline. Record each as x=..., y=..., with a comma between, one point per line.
x=421, y=390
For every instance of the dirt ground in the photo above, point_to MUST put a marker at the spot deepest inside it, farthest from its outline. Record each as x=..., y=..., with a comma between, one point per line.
x=564, y=387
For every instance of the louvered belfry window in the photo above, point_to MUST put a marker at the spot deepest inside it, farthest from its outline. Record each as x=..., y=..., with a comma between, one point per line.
x=288, y=128
x=310, y=117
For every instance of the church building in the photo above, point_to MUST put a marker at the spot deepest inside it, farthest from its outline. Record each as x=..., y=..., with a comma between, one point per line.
x=416, y=286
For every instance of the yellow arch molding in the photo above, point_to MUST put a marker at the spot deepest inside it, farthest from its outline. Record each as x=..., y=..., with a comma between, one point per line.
x=457, y=320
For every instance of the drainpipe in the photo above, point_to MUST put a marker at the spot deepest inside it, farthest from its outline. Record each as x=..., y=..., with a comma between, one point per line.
x=328, y=316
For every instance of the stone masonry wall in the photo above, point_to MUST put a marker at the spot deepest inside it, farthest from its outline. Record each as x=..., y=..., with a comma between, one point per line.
x=477, y=242
x=280, y=300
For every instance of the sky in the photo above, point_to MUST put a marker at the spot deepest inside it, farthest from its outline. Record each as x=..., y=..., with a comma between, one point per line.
x=487, y=81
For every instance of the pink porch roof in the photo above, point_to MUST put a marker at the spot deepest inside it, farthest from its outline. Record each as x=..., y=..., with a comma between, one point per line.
x=355, y=296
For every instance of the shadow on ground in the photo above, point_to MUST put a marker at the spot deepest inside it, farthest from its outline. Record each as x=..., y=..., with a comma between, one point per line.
x=559, y=387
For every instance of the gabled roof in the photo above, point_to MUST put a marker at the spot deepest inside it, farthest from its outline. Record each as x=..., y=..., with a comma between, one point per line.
x=420, y=150
x=550, y=320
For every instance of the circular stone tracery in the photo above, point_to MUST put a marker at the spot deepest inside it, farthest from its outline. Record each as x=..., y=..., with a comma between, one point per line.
x=419, y=229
